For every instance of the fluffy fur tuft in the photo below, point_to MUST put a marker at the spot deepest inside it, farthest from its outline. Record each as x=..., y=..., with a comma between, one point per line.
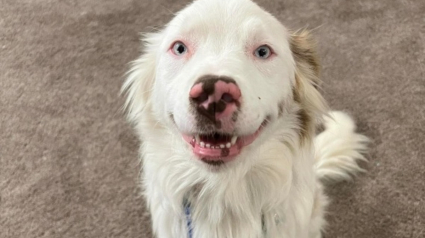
x=338, y=148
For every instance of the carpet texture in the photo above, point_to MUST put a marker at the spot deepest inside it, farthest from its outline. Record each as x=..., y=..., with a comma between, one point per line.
x=68, y=159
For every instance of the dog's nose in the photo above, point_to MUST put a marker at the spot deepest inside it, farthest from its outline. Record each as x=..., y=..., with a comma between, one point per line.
x=215, y=97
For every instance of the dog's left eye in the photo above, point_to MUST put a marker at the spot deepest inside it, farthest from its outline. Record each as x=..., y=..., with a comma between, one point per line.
x=179, y=48
x=263, y=52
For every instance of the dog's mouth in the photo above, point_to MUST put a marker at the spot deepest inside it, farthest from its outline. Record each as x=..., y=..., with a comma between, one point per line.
x=218, y=148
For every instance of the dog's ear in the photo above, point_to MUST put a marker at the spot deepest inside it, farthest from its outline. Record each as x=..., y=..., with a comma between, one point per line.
x=141, y=77
x=307, y=74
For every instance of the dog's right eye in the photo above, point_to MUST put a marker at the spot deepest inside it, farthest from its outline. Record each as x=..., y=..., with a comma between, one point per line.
x=263, y=52
x=179, y=48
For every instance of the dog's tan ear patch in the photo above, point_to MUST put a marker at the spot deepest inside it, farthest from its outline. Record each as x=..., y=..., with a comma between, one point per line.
x=303, y=48
x=307, y=72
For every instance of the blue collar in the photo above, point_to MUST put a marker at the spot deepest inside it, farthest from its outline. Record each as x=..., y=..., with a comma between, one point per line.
x=187, y=212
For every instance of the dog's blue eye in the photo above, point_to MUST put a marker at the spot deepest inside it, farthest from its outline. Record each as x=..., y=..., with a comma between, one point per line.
x=179, y=48
x=263, y=52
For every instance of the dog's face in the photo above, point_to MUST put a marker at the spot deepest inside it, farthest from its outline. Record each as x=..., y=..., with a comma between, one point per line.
x=224, y=70
x=221, y=72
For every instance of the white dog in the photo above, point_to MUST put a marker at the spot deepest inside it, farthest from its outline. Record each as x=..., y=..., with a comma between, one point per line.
x=226, y=104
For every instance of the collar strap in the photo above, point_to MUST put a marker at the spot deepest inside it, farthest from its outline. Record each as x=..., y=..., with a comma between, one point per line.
x=187, y=212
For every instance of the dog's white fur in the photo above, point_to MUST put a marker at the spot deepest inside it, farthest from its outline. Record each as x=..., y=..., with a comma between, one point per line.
x=274, y=187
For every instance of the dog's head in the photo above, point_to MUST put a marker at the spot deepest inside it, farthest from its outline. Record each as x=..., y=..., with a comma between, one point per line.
x=224, y=73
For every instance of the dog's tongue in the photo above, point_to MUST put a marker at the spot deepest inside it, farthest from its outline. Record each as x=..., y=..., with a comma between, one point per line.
x=212, y=154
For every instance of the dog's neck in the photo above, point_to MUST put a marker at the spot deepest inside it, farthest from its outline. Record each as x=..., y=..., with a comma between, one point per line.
x=258, y=198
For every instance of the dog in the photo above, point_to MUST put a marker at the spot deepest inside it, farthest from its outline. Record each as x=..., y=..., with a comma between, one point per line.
x=226, y=103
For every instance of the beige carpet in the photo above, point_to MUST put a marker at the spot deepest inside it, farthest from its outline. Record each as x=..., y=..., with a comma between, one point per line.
x=68, y=160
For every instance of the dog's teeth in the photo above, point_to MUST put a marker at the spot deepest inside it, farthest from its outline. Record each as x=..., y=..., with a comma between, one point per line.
x=216, y=147
x=202, y=144
x=234, y=138
x=222, y=146
x=198, y=139
x=228, y=145
x=208, y=145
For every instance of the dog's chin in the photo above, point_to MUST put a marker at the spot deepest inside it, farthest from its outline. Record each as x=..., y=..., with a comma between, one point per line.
x=217, y=148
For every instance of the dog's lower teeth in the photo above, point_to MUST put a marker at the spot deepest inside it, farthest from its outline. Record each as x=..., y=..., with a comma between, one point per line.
x=204, y=144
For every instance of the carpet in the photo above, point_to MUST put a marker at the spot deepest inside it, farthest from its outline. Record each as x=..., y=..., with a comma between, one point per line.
x=68, y=159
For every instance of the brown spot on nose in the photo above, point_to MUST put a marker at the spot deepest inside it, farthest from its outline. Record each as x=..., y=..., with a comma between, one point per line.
x=220, y=106
x=209, y=113
x=208, y=82
x=212, y=95
x=208, y=85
